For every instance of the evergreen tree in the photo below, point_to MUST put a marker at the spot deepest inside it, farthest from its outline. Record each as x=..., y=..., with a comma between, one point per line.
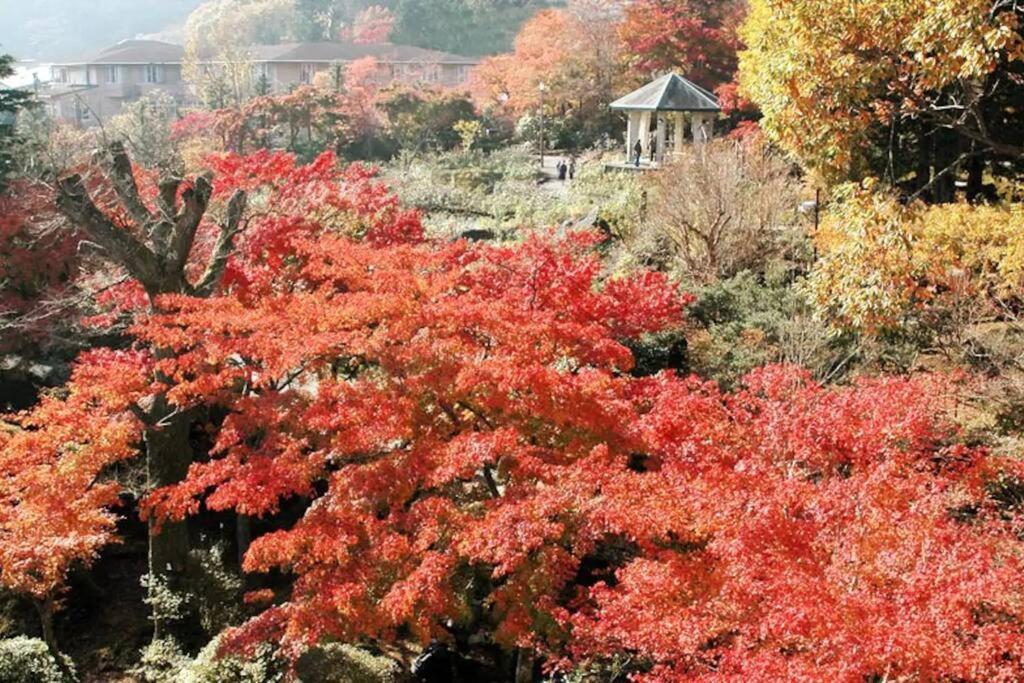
x=12, y=100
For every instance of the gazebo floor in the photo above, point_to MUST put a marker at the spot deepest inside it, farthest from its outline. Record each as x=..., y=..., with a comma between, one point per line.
x=644, y=166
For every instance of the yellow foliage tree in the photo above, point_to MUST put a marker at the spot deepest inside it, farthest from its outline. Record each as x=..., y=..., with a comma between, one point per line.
x=882, y=262
x=835, y=79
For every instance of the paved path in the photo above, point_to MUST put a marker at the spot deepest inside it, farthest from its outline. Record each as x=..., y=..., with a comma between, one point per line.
x=551, y=183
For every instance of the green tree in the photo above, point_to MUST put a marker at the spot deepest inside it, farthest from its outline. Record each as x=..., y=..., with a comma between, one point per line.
x=426, y=121
x=145, y=128
x=12, y=101
x=323, y=19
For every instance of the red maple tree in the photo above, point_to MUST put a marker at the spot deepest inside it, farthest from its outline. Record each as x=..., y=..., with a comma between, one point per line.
x=698, y=38
x=469, y=447
x=441, y=393
x=462, y=417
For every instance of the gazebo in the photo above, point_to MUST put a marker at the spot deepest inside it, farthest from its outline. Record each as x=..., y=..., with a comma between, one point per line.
x=669, y=95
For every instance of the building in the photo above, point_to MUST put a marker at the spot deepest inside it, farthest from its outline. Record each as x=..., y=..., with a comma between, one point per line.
x=91, y=90
x=288, y=65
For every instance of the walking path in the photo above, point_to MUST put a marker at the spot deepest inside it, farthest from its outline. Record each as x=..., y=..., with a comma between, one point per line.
x=550, y=181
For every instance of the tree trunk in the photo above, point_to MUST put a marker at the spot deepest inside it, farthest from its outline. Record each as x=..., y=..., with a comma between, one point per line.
x=45, y=610
x=168, y=456
x=975, y=178
x=524, y=666
x=924, y=163
x=243, y=535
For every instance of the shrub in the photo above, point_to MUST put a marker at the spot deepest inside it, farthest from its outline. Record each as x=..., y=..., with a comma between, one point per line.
x=215, y=588
x=161, y=662
x=27, y=660
x=336, y=662
x=883, y=263
x=720, y=209
x=209, y=668
x=748, y=321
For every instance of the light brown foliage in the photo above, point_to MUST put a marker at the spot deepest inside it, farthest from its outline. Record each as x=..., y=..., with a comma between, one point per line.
x=721, y=208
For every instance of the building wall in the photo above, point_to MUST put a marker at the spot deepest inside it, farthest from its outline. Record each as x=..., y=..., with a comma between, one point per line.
x=111, y=87
x=288, y=75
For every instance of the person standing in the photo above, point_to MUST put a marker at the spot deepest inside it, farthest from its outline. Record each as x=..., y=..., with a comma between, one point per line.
x=572, y=168
x=638, y=150
x=562, y=168
x=654, y=147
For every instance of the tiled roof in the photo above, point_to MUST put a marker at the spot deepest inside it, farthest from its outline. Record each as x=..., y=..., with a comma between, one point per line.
x=135, y=52
x=159, y=52
x=347, y=52
x=671, y=92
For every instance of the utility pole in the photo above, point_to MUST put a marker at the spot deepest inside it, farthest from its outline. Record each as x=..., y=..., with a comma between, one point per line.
x=542, y=88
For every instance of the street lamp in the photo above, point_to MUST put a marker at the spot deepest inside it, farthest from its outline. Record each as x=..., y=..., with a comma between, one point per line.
x=542, y=87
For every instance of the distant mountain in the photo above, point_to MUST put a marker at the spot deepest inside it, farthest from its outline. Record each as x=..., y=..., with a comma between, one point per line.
x=65, y=29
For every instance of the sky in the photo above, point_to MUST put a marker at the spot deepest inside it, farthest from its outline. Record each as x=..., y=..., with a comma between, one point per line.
x=63, y=29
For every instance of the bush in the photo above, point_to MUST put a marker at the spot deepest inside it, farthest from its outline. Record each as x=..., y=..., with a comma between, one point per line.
x=884, y=264
x=719, y=209
x=748, y=321
x=27, y=660
x=336, y=662
x=215, y=588
x=161, y=662
x=208, y=668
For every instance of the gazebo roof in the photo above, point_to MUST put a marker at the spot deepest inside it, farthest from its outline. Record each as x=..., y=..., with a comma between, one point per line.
x=671, y=92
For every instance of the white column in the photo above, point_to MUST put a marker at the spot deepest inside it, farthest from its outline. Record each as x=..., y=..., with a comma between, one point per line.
x=645, y=133
x=703, y=128
x=679, y=131
x=632, y=132
x=659, y=153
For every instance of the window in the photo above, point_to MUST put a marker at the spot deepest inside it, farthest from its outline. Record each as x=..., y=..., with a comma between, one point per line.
x=306, y=72
x=60, y=75
x=154, y=73
x=113, y=74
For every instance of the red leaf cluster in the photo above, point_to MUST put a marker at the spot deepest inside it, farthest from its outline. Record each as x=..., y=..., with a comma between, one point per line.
x=698, y=37
x=452, y=409
x=462, y=426
x=55, y=497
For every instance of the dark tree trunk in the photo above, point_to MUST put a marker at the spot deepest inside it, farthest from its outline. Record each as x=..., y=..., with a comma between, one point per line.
x=924, y=163
x=975, y=178
x=156, y=253
x=524, y=666
x=243, y=536
x=45, y=608
x=168, y=456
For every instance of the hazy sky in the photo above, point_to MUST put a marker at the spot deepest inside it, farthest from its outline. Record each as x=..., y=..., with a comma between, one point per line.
x=59, y=29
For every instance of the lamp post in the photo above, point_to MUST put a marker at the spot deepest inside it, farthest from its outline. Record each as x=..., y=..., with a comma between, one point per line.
x=542, y=87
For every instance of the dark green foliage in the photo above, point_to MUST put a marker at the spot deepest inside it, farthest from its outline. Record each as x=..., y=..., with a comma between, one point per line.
x=749, y=320
x=421, y=122
x=12, y=101
x=656, y=352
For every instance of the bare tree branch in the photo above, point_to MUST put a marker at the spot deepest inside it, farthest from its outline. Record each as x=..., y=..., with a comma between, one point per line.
x=196, y=200
x=225, y=245
x=118, y=245
x=124, y=184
